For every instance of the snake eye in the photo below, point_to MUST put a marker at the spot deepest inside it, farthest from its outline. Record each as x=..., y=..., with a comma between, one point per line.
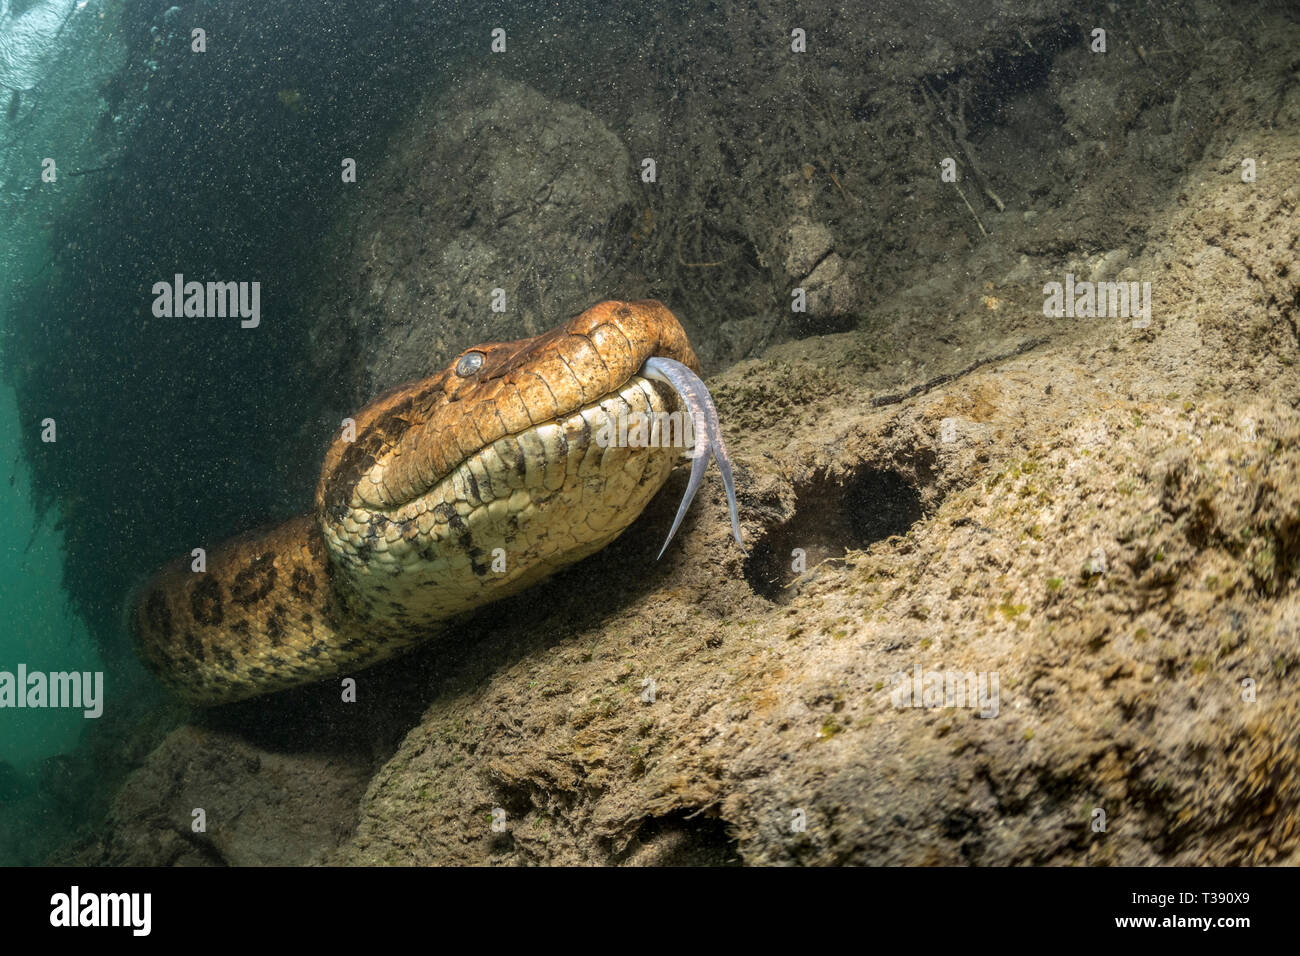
x=469, y=363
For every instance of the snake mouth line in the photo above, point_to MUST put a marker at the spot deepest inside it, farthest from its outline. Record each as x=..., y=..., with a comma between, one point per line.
x=693, y=396
x=535, y=457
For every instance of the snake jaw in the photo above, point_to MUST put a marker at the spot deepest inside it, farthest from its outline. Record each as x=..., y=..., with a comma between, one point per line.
x=694, y=395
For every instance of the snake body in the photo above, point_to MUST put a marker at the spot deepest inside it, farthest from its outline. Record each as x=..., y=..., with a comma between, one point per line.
x=446, y=494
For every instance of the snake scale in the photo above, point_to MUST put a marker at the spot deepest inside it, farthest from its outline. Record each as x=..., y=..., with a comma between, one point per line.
x=451, y=492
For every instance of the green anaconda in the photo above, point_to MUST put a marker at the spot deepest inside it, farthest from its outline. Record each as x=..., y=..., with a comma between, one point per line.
x=446, y=494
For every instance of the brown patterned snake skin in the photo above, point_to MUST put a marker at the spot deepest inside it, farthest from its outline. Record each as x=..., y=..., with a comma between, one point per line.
x=500, y=450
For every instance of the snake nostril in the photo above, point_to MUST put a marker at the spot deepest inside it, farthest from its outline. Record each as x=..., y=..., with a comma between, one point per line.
x=469, y=363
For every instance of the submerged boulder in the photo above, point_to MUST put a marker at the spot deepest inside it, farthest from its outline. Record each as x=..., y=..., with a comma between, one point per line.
x=486, y=222
x=29, y=39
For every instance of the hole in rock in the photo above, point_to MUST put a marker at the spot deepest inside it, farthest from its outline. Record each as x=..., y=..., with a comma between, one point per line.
x=832, y=515
x=682, y=840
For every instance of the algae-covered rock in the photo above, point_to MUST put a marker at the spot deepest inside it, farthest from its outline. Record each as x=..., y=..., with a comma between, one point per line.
x=1094, y=543
x=207, y=797
x=487, y=220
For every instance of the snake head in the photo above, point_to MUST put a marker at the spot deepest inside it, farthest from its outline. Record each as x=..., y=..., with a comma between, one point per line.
x=415, y=435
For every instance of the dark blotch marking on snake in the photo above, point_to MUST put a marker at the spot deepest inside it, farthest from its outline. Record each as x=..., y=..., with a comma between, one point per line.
x=254, y=582
x=194, y=646
x=205, y=602
x=244, y=633
x=275, y=625
x=303, y=584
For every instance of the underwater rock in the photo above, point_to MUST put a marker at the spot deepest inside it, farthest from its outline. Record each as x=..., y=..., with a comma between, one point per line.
x=833, y=299
x=257, y=807
x=488, y=221
x=832, y=293
x=809, y=244
x=1096, y=105
x=1137, y=716
x=29, y=39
